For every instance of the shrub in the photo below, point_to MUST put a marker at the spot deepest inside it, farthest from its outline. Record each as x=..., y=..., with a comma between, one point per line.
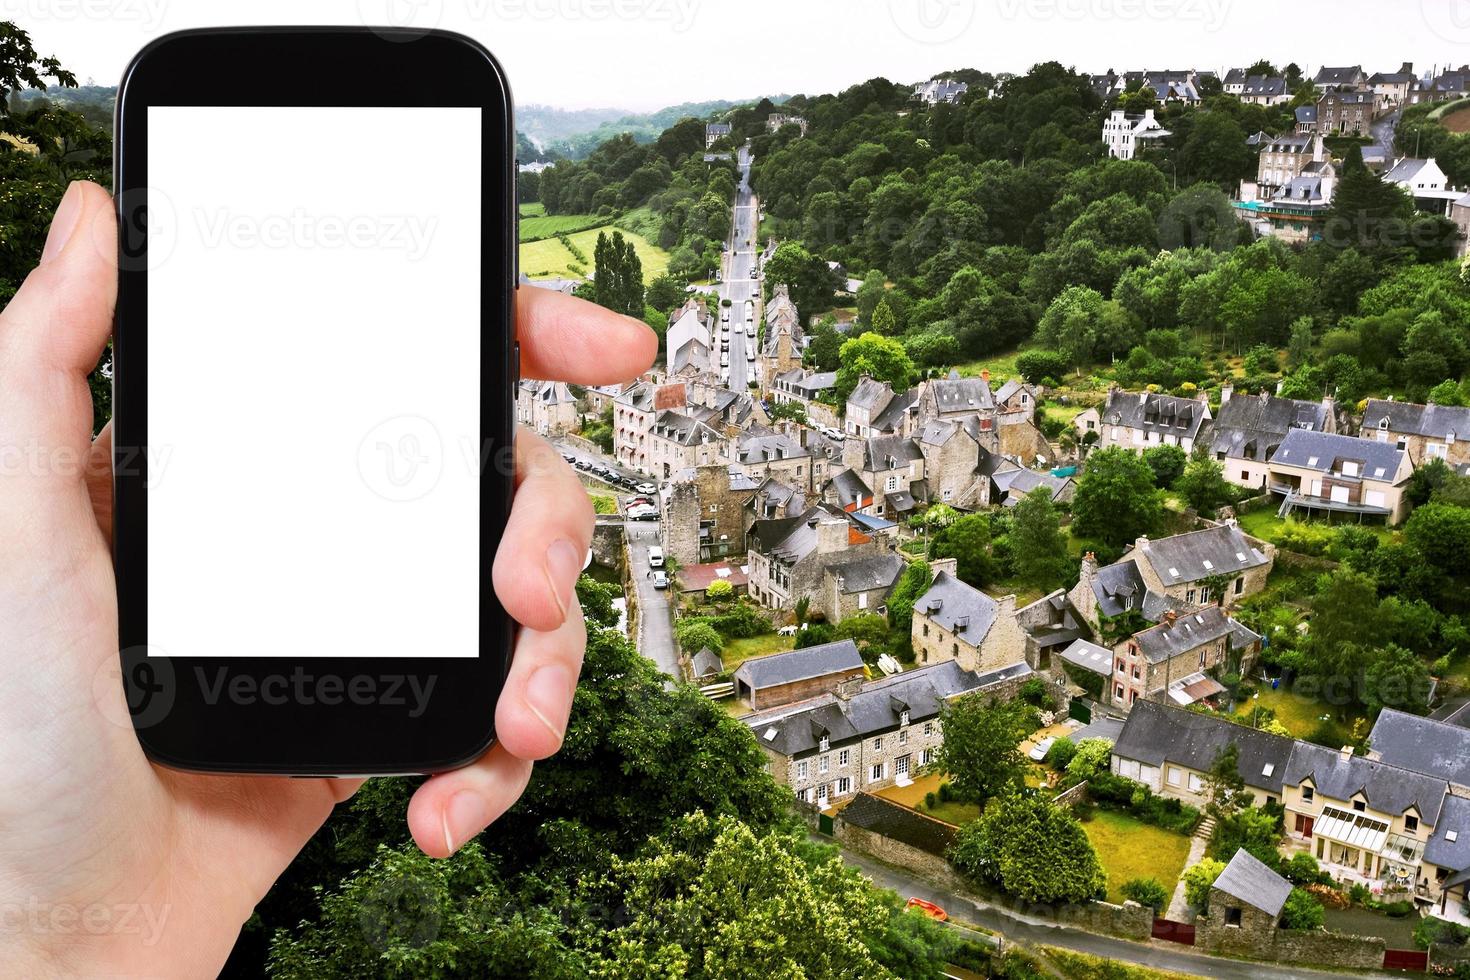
x=1305, y=539
x=1199, y=879
x=1397, y=910
x=1358, y=894
x=1302, y=911
x=1431, y=930
x=930, y=800
x=741, y=622
x=1038, y=365
x=1302, y=869
x=1091, y=758
x=1147, y=892
x=1061, y=753
x=1034, y=692
x=719, y=591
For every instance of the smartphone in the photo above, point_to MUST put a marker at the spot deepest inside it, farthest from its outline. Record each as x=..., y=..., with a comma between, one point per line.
x=314, y=377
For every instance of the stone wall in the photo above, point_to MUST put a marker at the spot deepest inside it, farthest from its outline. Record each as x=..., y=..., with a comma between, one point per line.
x=608, y=539
x=822, y=415
x=1315, y=948
x=585, y=445
x=1447, y=956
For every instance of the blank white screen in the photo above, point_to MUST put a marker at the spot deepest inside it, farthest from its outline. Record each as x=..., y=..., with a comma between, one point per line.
x=313, y=381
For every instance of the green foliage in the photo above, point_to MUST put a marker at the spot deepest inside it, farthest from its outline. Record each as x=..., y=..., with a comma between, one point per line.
x=1061, y=753
x=1036, y=366
x=1116, y=501
x=1203, y=485
x=1147, y=892
x=1302, y=911
x=913, y=583
x=1253, y=829
x=967, y=540
x=1037, y=546
x=1431, y=931
x=1116, y=793
x=618, y=284
x=880, y=358
x=1166, y=463
x=980, y=748
x=1032, y=850
x=1199, y=879
x=720, y=590
x=1092, y=757
x=695, y=634
x=1302, y=869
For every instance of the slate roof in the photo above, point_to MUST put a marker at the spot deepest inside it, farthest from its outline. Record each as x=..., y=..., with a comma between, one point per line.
x=1338, y=76
x=888, y=419
x=1155, y=733
x=1119, y=587
x=1008, y=389
x=1250, y=426
x=870, y=395
x=1188, y=632
x=683, y=429
x=1090, y=657
x=1251, y=881
x=1306, y=114
x=713, y=129
x=817, y=382
x=868, y=574
x=850, y=488
x=962, y=394
x=878, y=450
x=1300, y=448
x=799, y=665
x=763, y=446
x=1439, y=748
x=1405, y=170
x=1016, y=483
x=1454, y=819
x=1433, y=421
x=1262, y=87
x=958, y=608
x=1242, y=637
x=1189, y=557
x=796, y=730
x=1387, y=788
x=899, y=822
x=800, y=538
x=765, y=535
x=1180, y=417
x=707, y=663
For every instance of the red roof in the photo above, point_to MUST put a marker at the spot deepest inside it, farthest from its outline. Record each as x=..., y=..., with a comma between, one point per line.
x=696, y=578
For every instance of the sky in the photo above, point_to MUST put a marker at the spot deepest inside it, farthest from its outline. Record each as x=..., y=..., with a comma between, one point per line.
x=646, y=54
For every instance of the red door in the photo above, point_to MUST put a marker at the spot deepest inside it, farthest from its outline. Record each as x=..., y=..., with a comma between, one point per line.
x=1304, y=825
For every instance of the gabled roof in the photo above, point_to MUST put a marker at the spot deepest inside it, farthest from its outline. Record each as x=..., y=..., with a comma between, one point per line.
x=1155, y=733
x=760, y=445
x=1119, y=587
x=707, y=663
x=1450, y=845
x=1405, y=170
x=1250, y=426
x=888, y=419
x=958, y=608
x=867, y=574
x=1189, y=557
x=1422, y=744
x=962, y=394
x=1386, y=788
x=1008, y=389
x=1089, y=657
x=893, y=820
x=885, y=452
x=1251, y=881
x=1188, y=632
x=1321, y=451
x=1262, y=86
x=1433, y=421
x=684, y=430
x=870, y=395
x=1338, y=76
x=850, y=488
x=1180, y=417
x=799, y=665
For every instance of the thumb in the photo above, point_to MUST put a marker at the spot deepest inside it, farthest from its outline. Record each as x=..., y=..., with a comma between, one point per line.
x=54, y=330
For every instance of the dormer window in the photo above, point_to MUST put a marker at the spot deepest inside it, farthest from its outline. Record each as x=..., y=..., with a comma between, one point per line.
x=903, y=718
x=1308, y=794
x=1383, y=422
x=824, y=744
x=1359, y=805
x=1411, y=823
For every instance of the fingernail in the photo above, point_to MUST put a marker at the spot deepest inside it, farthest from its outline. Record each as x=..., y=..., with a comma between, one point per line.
x=563, y=565
x=465, y=815
x=64, y=223
x=546, y=695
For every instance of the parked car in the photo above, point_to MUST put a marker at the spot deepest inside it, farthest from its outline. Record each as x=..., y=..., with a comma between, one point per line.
x=724, y=345
x=569, y=457
x=646, y=488
x=1039, y=751
x=660, y=580
x=643, y=512
x=750, y=354
x=627, y=482
x=725, y=359
x=755, y=273
x=928, y=908
x=655, y=557
x=583, y=464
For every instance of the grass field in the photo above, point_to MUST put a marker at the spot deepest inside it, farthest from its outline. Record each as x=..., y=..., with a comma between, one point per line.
x=603, y=504
x=549, y=258
x=1300, y=715
x=1129, y=848
x=736, y=652
x=1264, y=524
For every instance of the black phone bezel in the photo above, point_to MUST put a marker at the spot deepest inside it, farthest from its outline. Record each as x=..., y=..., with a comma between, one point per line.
x=168, y=697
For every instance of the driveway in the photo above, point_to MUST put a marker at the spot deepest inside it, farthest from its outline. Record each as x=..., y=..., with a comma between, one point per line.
x=1022, y=928
x=738, y=287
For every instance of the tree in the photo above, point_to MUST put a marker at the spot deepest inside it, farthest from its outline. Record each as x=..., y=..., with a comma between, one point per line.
x=1345, y=626
x=1166, y=463
x=1251, y=829
x=665, y=292
x=1036, y=366
x=1092, y=757
x=967, y=540
x=1147, y=892
x=1223, y=783
x=696, y=634
x=795, y=411
x=980, y=749
x=884, y=321
x=1203, y=485
x=811, y=285
x=1396, y=678
x=618, y=284
x=1038, y=547
x=1116, y=501
x=913, y=583
x=1034, y=851
x=1079, y=324
x=1199, y=879
x=880, y=358
x=720, y=590
x=1302, y=911
x=1299, y=346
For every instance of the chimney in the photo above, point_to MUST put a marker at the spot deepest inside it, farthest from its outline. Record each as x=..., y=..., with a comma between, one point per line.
x=1346, y=752
x=1142, y=397
x=847, y=688
x=1278, y=389
x=1170, y=617
x=950, y=565
x=985, y=375
x=1226, y=390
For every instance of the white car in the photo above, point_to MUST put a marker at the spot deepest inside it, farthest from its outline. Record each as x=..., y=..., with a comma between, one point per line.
x=750, y=354
x=646, y=488
x=643, y=512
x=1039, y=751
x=655, y=557
x=660, y=580
x=725, y=359
x=725, y=316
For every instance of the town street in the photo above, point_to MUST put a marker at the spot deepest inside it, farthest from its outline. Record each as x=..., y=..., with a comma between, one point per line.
x=1017, y=927
x=738, y=287
x=655, y=639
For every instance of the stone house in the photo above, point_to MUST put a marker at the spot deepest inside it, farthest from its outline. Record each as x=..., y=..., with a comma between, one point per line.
x=1346, y=113
x=784, y=339
x=1284, y=159
x=1425, y=432
x=634, y=414
x=1010, y=484
x=1265, y=90
x=1317, y=471
x=860, y=587
x=875, y=409
x=955, y=464
x=784, y=678
x=547, y=408
x=1351, y=77
x=679, y=441
x=1249, y=429
x=1247, y=898
x=702, y=513
x=714, y=132
x=705, y=666
x=689, y=339
x=955, y=621
x=1051, y=624
x=789, y=558
x=802, y=386
x=894, y=467
x=1392, y=87
x=1142, y=420
x=788, y=453
x=1175, y=660
x=869, y=735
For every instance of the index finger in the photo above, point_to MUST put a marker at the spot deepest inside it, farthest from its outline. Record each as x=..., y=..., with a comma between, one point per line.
x=567, y=339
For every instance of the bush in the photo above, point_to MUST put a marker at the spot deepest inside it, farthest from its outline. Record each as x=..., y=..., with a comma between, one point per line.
x=1038, y=365
x=1358, y=894
x=1147, y=892
x=1199, y=879
x=930, y=800
x=719, y=590
x=1116, y=793
x=1302, y=911
x=1397, y=910
x=1302, y=869
x=741, y=622
x=1034, y=692
x=1431, y=930
x=1305, y=539
x=1061, y=753
x=1091, y=758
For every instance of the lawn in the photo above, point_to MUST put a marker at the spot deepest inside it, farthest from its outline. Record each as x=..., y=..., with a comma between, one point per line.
x=1301, y=715
x=543, y=225
x=550, y=259
x=1129, y=848
x=1264, y=524
x=603, y=504
x=737, y=652
x=999, y=366
x=1063, y=413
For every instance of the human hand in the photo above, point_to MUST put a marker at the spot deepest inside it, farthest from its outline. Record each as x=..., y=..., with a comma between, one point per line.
x=111, y=864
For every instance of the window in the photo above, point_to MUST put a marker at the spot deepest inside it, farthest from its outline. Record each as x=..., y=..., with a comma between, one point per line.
x=876, y=773
x=1119, y=690
x=801, y=769
x=903, y=737
x=1135, y=673
x=890, y=484
x=1240, y=585
x=928, y=728
x=926, y=629
x=862, y=600
x=878, y=744
x=1195, y=782
x=842, y=757
x=1359, y=806
x=1189, y=597
x=804, y=795
x=844, y=785
x=926, y=757
x=903, y=717
x=823, y=744
x=901, y=765
x=1174, y=776
x=954, y=650
x=1232, y=917
x=1411, y=823
x=822, y=764
x=1307, y=794
x=822, y=795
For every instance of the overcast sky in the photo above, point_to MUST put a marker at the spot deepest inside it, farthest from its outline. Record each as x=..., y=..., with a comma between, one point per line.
x=645, y=54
